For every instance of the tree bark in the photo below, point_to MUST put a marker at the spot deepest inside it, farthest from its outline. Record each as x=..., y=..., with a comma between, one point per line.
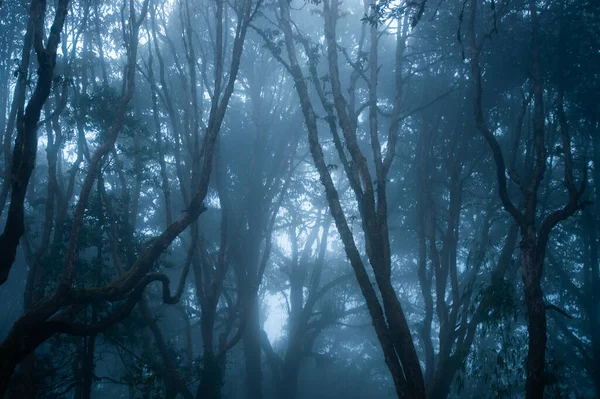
x=397, y=346
x=25, y=149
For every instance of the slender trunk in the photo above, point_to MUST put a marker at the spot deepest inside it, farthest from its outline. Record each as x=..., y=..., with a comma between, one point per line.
x=593, y=229
x=424, y=279
x=88, y=367
x=169, y=370
x=590, y=296
x=166, y=189
x=252, y=353
x=211, y=379
x=18, y=101
x=531, y=260
x=250, y=261
x=536, y=313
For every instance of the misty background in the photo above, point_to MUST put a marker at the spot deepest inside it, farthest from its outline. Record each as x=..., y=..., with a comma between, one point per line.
x=262, y=199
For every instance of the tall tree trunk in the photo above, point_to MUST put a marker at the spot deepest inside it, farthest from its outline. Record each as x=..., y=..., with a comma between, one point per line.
x=593, y=229
x=536, y=313
x=88, y=366
x=212, y=376
x=252, y=352
x=423, y=187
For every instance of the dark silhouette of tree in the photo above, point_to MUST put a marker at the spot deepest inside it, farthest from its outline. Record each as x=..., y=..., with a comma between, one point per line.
x=534, y=240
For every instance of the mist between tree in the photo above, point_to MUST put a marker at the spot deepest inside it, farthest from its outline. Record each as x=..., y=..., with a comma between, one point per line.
x=256, y=199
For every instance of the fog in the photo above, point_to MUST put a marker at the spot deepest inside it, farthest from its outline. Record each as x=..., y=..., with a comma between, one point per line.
x=291, y=199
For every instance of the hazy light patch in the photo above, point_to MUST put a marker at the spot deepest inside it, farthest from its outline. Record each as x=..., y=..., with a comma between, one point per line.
x=143, y=40
x=149, y=232
x=500, y=131
x=213, y=201
x=306, y=204
x=42, y=142
x=276, y=316
x=91, y=135
x=284, y=243
x=384, y=146
x=242, y=97
x=393, y=22
x=177, y=242
x=69, y=152
x=150, y=213
x=461, y=266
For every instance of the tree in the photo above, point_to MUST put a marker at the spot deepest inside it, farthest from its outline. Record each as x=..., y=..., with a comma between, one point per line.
x=27, y=118
x=42, y=320
x=533, y=241
x=389, y=321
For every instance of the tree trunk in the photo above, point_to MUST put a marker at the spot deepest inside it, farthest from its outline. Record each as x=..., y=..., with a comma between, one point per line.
x=212, y=377
x=442, y=380
x=27, y=377
x=536, y=313
x=590, y=238
x=594, y=226
x=289, y=385
x=252, y=353
x=25, y=149
x=20, y=342
x=88, y=366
